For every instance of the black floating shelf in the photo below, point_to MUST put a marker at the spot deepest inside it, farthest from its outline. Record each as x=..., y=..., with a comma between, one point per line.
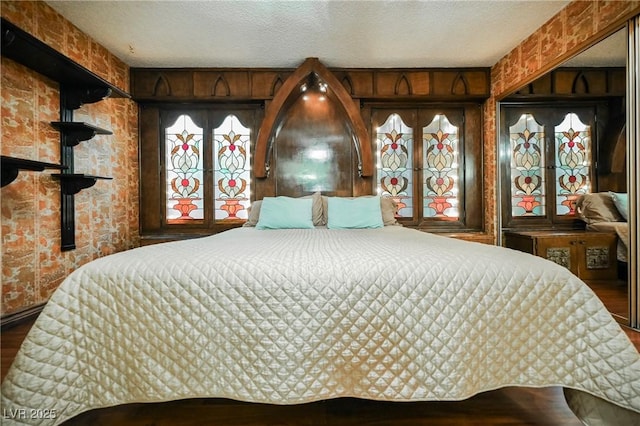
x=12, y=165
x=76, y=132
x=72, y=183
x=84, y=86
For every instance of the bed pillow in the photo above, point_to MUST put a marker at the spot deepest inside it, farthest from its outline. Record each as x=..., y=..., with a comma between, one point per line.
x=388, y=208
x=254, y=213
x=285, y=213
x=621, y=201
x=598, y=207
x=317, y=213
x=317, y=210
x=350, y=213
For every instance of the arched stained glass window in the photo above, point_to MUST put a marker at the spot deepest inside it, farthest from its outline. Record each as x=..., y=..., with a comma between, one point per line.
x=232, y=142
x=394, y=163
x=440, y=168
x=573, y=143
x=184, y=171
x=527, y=167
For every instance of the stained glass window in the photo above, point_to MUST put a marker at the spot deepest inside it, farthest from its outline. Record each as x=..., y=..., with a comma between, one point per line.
x=527, y=167
x=440, y=165
x=232, y=172
x=394, y=170
x=185, y=191
x=573, y=142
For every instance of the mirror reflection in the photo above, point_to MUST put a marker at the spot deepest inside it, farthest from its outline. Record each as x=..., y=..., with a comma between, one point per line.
x=563, y=169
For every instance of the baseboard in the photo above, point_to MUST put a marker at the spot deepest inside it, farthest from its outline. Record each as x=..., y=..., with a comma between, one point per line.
x=23, y=315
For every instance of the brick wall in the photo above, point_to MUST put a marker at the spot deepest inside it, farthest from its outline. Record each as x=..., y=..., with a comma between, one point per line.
x=106, y=214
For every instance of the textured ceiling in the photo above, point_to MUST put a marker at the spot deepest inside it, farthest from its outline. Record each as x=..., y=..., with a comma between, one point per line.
x=240, y=33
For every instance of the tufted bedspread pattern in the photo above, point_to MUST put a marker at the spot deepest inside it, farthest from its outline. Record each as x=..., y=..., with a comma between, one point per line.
x=290, y=316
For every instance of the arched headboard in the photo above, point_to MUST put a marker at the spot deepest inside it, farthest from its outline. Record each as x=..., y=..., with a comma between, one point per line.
x=313, y=138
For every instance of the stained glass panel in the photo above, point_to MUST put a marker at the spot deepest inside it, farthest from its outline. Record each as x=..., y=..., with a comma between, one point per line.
x=573, y=143
x=394, y=171
x=232, y=143
x=527, y=167
x=440, y=164
x=185, y=191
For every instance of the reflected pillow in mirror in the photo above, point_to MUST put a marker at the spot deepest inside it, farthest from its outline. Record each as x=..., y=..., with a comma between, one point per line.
x=621, y=200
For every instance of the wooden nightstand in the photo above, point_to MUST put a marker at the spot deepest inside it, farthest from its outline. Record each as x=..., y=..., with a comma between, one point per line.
x=589, y=255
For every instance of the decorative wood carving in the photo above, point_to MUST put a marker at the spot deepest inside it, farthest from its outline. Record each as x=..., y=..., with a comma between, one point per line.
x=291, y=90
x=221, y=87
x=277, y=84
x=348, y=84
x=162, y=87
x=580, y=84
x=403, y=87
x=460, y=85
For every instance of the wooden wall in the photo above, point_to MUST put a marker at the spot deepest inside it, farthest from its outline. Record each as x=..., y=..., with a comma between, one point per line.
x=301, y=126
x=106, y=215
x=202, y=85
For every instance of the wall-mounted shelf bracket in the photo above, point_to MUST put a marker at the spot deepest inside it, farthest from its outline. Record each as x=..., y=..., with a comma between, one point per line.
x=76, y=96
x=12, y=165
x=72, y=183
x=78, y=86
x=75, y=132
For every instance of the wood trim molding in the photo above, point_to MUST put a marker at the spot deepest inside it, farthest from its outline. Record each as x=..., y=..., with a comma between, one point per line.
x=273, y=111
x=16, y=318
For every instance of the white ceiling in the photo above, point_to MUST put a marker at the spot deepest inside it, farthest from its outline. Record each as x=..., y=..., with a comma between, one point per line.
x=278, y=33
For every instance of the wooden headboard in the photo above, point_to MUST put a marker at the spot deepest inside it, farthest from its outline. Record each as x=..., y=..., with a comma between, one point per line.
x=313, y=139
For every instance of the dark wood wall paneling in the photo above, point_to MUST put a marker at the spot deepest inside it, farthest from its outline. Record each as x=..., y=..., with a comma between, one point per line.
x=155, y=88
x=576, y=83
x=193, y=85
x=158, y=89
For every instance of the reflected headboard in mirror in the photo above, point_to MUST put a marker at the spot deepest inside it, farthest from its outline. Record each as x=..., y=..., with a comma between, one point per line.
x=313, y=139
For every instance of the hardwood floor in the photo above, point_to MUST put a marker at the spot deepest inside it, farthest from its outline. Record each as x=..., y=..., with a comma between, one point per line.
x=614, y=295
x=509, y=406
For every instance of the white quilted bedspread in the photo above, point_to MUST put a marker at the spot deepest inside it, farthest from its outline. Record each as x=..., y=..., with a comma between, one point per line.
x=290, y=316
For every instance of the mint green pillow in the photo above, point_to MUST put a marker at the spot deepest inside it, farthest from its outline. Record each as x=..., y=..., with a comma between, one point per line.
x=359, y=212
x=622, y=203
x=285, y=213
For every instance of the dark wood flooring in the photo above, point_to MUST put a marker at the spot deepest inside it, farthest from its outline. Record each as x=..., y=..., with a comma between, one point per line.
x=615, y=296
x=509, y=406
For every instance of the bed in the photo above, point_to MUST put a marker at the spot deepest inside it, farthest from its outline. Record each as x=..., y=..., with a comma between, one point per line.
x=605, y=212
x=384, y=313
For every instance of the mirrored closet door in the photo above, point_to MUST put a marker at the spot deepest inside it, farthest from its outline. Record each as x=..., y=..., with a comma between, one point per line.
x=564, y=162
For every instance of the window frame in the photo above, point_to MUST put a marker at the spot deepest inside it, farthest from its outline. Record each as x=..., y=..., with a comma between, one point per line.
x=468, y=118
x=549, y=115
x=153, y=164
